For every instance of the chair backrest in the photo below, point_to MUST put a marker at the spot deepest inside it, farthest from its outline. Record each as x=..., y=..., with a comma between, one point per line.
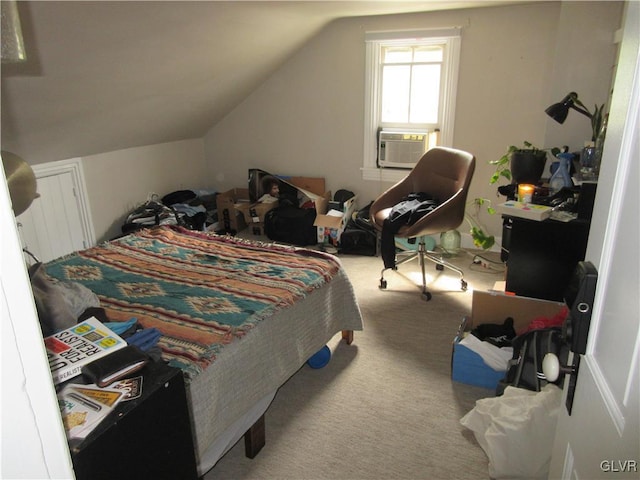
x=442, y=172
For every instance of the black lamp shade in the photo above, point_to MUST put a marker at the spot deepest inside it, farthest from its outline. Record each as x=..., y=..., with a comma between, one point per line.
x=559, y=111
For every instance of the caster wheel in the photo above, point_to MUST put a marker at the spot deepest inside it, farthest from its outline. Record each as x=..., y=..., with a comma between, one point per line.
x=463, y=285
x=439, y=267
x=383, y=284
x=426, y=296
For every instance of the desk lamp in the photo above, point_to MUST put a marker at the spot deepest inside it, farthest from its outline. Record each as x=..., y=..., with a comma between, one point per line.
x=559, y=112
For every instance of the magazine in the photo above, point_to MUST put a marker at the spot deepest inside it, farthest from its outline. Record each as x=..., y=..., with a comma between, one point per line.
x=69, y=350
x=83, y=407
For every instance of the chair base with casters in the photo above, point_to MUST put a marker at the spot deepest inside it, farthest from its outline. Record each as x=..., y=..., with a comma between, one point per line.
x=422, y=254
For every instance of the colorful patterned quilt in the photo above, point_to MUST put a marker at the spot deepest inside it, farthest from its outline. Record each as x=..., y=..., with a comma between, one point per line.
x=202, y=291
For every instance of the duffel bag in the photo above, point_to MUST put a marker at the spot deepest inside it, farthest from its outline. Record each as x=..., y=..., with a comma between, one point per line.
x=356, y=241
x=291, y=224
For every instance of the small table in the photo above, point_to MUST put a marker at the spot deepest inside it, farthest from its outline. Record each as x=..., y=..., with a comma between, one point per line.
x=148, y=437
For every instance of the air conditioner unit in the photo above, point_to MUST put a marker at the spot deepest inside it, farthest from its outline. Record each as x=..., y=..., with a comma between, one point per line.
x=403, y=149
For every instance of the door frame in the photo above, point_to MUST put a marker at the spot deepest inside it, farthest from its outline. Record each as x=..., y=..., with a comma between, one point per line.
x=74, y=167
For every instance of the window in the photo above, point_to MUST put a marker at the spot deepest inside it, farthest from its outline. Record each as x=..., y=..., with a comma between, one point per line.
x=411, y=84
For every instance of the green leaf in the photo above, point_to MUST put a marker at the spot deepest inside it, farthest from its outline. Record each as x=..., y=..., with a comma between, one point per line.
x=481, y=240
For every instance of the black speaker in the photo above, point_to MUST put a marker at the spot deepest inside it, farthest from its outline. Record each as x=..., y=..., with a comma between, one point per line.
x=579, y=297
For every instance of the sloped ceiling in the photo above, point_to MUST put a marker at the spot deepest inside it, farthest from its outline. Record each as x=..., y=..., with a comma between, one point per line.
x=102, y=76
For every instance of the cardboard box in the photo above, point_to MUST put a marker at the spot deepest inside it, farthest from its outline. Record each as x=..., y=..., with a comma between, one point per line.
x=311, y=184
x=227, y=203
x=330, y=226
x=314, y=188
x=256, y=229
x=254, y=213
x=493, y=307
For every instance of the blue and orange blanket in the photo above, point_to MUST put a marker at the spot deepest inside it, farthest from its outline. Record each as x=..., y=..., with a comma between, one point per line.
x=201, y=290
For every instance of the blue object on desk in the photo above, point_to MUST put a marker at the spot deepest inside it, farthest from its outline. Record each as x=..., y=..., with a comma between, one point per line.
x=561, y=177
x=320, y=358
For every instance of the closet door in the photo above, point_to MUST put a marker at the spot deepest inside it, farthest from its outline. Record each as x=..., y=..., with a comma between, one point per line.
x=56, y=223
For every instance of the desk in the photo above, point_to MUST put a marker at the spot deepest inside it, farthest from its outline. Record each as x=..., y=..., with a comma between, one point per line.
x=542, y=256
x=149, y=437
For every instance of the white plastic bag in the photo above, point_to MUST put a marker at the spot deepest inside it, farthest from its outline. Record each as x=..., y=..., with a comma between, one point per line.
x=516, y=431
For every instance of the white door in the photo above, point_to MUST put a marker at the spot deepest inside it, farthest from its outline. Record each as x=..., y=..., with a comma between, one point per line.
x=601, y=437
x=56, y=223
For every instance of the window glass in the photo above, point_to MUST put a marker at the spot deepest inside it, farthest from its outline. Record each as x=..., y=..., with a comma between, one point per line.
x=410, y=91
x=431, y=53
x=425, y=93
x=396, y=82
x=397, y=54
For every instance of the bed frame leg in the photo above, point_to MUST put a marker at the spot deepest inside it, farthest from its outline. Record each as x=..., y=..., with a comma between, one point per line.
x=347, y=336
x=254, y=438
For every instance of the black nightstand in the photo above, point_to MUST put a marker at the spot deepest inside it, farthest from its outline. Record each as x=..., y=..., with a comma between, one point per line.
x=149, y=437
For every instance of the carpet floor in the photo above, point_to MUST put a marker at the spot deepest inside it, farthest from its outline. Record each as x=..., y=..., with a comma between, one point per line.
x=384, y=407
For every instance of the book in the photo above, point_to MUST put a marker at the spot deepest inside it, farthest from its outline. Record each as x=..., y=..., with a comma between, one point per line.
x=83, y=407
x=525, y=210
x=70, y=349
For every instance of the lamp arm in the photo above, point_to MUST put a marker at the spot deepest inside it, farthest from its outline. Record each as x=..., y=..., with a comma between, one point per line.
x=583, y=111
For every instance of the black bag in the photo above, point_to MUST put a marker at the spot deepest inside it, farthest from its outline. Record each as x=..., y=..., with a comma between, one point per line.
x=291, y=224
x=525, y=367
x=359, y=236
x=362, y=219
x=356, y=241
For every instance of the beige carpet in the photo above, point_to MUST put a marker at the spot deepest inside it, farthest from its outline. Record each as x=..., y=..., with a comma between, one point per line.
x=384, y=407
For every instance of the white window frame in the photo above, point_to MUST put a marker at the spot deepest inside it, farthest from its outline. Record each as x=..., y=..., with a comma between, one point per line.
x=374, y=43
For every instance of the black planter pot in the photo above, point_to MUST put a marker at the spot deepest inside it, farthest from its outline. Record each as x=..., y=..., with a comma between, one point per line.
x=527, y=165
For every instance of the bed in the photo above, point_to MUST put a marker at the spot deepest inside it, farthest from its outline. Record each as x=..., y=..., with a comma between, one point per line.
x=238, y=317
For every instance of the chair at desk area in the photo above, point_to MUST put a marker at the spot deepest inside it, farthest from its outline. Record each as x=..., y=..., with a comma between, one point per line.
x=445, y=175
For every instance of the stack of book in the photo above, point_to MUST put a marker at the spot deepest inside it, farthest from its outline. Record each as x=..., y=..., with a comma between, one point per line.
x=104, y=358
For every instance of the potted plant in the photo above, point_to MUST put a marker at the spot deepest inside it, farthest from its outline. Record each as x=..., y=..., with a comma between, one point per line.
x=520, y=165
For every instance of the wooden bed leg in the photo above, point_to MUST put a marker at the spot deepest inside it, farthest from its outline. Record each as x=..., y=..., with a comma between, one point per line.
x=347, y=336
x=254, y=438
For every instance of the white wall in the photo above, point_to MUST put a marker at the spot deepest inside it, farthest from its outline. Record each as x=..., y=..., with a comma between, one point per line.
x=119, y=181
x=307, y=118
